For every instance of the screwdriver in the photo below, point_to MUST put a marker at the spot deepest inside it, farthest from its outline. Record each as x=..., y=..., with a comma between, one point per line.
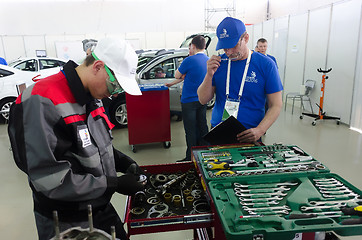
x=214, y=160
x=352, y=210
x=225, y=165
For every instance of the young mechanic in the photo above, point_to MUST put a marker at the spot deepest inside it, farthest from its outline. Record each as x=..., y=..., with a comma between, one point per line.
x=61, y=138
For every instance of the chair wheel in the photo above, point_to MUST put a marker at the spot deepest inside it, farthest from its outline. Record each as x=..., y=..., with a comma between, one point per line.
x=133, y=147
x=301, y=116
x=314, y=123
x=338, y=122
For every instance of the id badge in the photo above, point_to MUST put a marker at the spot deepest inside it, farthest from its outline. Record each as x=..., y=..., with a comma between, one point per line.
x=231, y=109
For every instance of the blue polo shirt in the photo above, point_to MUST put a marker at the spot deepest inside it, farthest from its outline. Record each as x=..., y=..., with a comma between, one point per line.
x=195, y=68
x=262, y=78
x=273, y=58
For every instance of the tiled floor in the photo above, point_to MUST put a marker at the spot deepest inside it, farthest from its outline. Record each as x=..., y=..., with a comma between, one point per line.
x=335, y=145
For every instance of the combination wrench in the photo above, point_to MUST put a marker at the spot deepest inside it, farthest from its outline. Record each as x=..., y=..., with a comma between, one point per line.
x=239, y=185
x=336, y=205
x=260, y=195
x=260, y=200
x=262, y=190
x=318, y=203
x=258, y=209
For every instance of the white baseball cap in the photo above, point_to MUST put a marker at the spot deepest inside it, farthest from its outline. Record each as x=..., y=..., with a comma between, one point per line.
x=120, y=57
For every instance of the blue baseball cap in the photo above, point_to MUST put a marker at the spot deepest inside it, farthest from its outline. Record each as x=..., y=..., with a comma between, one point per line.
x=229, y=32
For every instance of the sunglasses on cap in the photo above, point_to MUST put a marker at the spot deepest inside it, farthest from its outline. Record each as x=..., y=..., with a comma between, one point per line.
x=112, y=84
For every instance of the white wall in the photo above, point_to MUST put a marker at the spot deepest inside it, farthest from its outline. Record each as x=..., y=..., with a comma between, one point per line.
x=280, y=8
x=146, y=24
x=324, y=38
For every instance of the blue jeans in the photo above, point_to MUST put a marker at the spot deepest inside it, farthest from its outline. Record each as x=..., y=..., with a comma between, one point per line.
x=195, y=124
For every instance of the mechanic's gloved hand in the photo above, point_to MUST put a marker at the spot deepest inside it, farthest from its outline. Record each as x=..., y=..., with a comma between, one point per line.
x=128, y=184
x=134, y=169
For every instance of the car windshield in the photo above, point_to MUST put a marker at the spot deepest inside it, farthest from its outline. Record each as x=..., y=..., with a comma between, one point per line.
x=142, y=61
x=12, y=64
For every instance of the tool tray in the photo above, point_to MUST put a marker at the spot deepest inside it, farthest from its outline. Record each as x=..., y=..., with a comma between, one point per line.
x=157, y=212
x=256, y=204
x=238, y=222
x=270, y=159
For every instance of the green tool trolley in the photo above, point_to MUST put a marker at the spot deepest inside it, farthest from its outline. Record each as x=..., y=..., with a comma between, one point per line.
x=276, y=192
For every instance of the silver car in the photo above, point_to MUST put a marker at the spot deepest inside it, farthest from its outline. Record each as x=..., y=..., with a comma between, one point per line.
x=149, y=63
x=169, y=62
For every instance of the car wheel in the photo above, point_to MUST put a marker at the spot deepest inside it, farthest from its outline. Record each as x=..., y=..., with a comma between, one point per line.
x=211, y=103
x=5, y=105
x=118, y=113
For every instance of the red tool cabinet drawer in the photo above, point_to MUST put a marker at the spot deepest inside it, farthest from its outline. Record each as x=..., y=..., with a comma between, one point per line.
x=156, y=211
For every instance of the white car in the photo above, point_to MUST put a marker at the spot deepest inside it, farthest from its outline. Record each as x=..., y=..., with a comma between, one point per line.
x=44, y=66
x=12, y=82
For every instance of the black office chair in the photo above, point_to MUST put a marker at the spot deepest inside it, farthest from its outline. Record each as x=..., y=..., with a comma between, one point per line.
x=303, y=95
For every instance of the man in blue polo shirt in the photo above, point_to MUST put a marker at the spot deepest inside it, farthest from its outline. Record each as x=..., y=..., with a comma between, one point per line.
x=242, y=81
x=192, y=71
x=262, y=45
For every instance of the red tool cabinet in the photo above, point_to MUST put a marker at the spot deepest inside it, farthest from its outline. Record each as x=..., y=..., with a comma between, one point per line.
x=149, y=116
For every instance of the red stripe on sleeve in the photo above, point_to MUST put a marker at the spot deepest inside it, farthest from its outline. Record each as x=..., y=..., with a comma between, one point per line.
x=75, y=118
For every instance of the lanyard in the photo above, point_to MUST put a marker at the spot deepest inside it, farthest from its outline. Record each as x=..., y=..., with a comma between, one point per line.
x=242, y=81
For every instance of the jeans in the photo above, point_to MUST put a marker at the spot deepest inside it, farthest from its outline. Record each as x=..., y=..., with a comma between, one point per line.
x=102, y=220
x=195, y=124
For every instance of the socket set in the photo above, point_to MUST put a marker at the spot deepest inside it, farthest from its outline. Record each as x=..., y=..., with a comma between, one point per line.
x=173, y=198
x=255, y=160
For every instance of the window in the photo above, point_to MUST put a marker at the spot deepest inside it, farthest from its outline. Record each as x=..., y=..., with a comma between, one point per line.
x=166, y=69
x=5, y=73
x=48, y=63
x=142, y=61
x=29, y=65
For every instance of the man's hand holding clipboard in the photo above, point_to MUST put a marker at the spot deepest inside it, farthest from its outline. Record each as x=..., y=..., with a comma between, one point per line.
x=226, y=132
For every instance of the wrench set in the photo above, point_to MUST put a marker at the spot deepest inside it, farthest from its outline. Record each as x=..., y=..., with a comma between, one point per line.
x=277, y=191
x=335, y=195
x=263, y=199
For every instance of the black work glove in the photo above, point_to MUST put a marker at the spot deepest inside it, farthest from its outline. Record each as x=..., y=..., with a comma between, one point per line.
x=128, y=184
x=134, y=169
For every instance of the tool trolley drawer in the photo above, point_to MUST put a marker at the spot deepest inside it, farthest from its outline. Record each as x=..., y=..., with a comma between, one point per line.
x=216, y=163
x=173, y=199
x=279, y=206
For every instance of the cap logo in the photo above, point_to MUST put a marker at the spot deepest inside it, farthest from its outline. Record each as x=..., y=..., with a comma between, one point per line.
x=224, y=34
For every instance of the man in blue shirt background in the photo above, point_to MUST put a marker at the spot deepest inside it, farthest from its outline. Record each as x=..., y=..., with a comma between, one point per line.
x=261, y=82
x=262, y=45
x=192, y=72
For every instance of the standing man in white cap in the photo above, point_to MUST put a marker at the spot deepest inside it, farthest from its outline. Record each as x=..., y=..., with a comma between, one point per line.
x=242, y=82
x=61, y=138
